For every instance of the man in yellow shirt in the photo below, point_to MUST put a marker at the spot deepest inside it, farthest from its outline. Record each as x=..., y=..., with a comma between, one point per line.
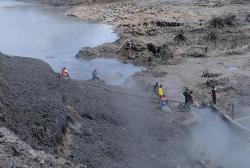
x=160, y=91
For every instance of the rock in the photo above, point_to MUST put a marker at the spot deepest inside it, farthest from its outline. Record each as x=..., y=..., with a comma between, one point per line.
x=107, y=49
x=151, y=47
x=196, y=52
x=87, y=51
x=130, y=49
x=180, y=37
x=211, y=36
x=247, y=18
x=88, y=132
x=42, y=161
x=71, y=15
x=162, y=23
x=87, y=116
x=220, y=22
x=21, y=154
x=166, y=53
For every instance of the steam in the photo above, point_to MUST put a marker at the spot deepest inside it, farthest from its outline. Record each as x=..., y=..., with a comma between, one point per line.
x=213, y=140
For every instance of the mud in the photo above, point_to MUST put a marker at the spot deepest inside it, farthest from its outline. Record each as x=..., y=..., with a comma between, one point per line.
x=30, y=100
x=158, y=24
x=43, y=110
x=166, y=35
x=48, y=121
x=178, y=41
x=158, y=33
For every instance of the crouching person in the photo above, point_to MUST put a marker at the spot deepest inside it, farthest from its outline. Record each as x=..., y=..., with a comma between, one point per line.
x=64, y=73
x=163, y=101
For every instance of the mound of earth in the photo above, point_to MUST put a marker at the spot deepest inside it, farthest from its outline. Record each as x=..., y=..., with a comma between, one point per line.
x=54, y=114
x=31, y=102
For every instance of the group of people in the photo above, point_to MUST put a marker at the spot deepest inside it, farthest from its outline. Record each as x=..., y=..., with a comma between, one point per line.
x=159, y=92
x=65, y=74
x=163, y=100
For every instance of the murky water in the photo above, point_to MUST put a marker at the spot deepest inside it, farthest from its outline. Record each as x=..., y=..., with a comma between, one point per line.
x=213, y=139
x=32, y=30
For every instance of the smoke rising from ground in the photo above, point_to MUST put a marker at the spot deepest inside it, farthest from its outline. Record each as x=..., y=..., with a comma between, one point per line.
x=214, y=140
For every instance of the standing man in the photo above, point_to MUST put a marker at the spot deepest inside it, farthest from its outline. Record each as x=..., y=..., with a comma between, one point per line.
x=185, y=94
x=190, y=99
x=155, y=89
x=160, y=91
x=213, y=94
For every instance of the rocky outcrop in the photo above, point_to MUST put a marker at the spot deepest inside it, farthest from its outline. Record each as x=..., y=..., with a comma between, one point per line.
x=162, y=23
x=16, y=153
x=105, y=50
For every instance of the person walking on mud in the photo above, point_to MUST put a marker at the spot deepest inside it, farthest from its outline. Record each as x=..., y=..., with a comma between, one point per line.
x=188, y=98
x=213, y=94
x=160, y=92
x=95, y=75
x=163, y=101
x=155, y=89
x=185, y=94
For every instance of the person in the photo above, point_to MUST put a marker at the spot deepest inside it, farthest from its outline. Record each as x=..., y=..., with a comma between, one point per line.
x=160, y=91
x=190, y=98
x=94, y=75
x=213, y=94
x=163, y=101
x=185, y=94
x=155, y=89
x=64, y=72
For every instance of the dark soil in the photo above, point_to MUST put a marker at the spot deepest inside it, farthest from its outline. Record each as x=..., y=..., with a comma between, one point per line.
x=31, y=102
x=39, y=107
x=86, y=122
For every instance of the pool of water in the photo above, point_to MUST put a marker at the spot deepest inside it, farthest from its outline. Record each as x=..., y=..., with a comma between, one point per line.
x=32, y=30
x=213, y=139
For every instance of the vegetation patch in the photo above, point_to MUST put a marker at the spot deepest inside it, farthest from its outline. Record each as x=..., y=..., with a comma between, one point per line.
x=220, y=22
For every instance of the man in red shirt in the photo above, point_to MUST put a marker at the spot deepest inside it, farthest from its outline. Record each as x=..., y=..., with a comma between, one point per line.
x=64, y=72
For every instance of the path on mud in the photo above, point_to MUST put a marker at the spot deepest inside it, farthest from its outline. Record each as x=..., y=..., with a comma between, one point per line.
x=151, y=137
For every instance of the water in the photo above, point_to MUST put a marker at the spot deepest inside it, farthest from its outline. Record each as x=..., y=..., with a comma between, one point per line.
x=32, y=30
x=213, y=139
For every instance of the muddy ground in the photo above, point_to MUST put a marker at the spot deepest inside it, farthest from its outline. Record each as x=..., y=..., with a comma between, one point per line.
x=40, y=109
x=47, y=121
x=179, y=41
x=183, y=43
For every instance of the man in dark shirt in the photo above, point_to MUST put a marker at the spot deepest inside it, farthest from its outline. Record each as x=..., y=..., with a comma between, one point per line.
x=213, y=95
